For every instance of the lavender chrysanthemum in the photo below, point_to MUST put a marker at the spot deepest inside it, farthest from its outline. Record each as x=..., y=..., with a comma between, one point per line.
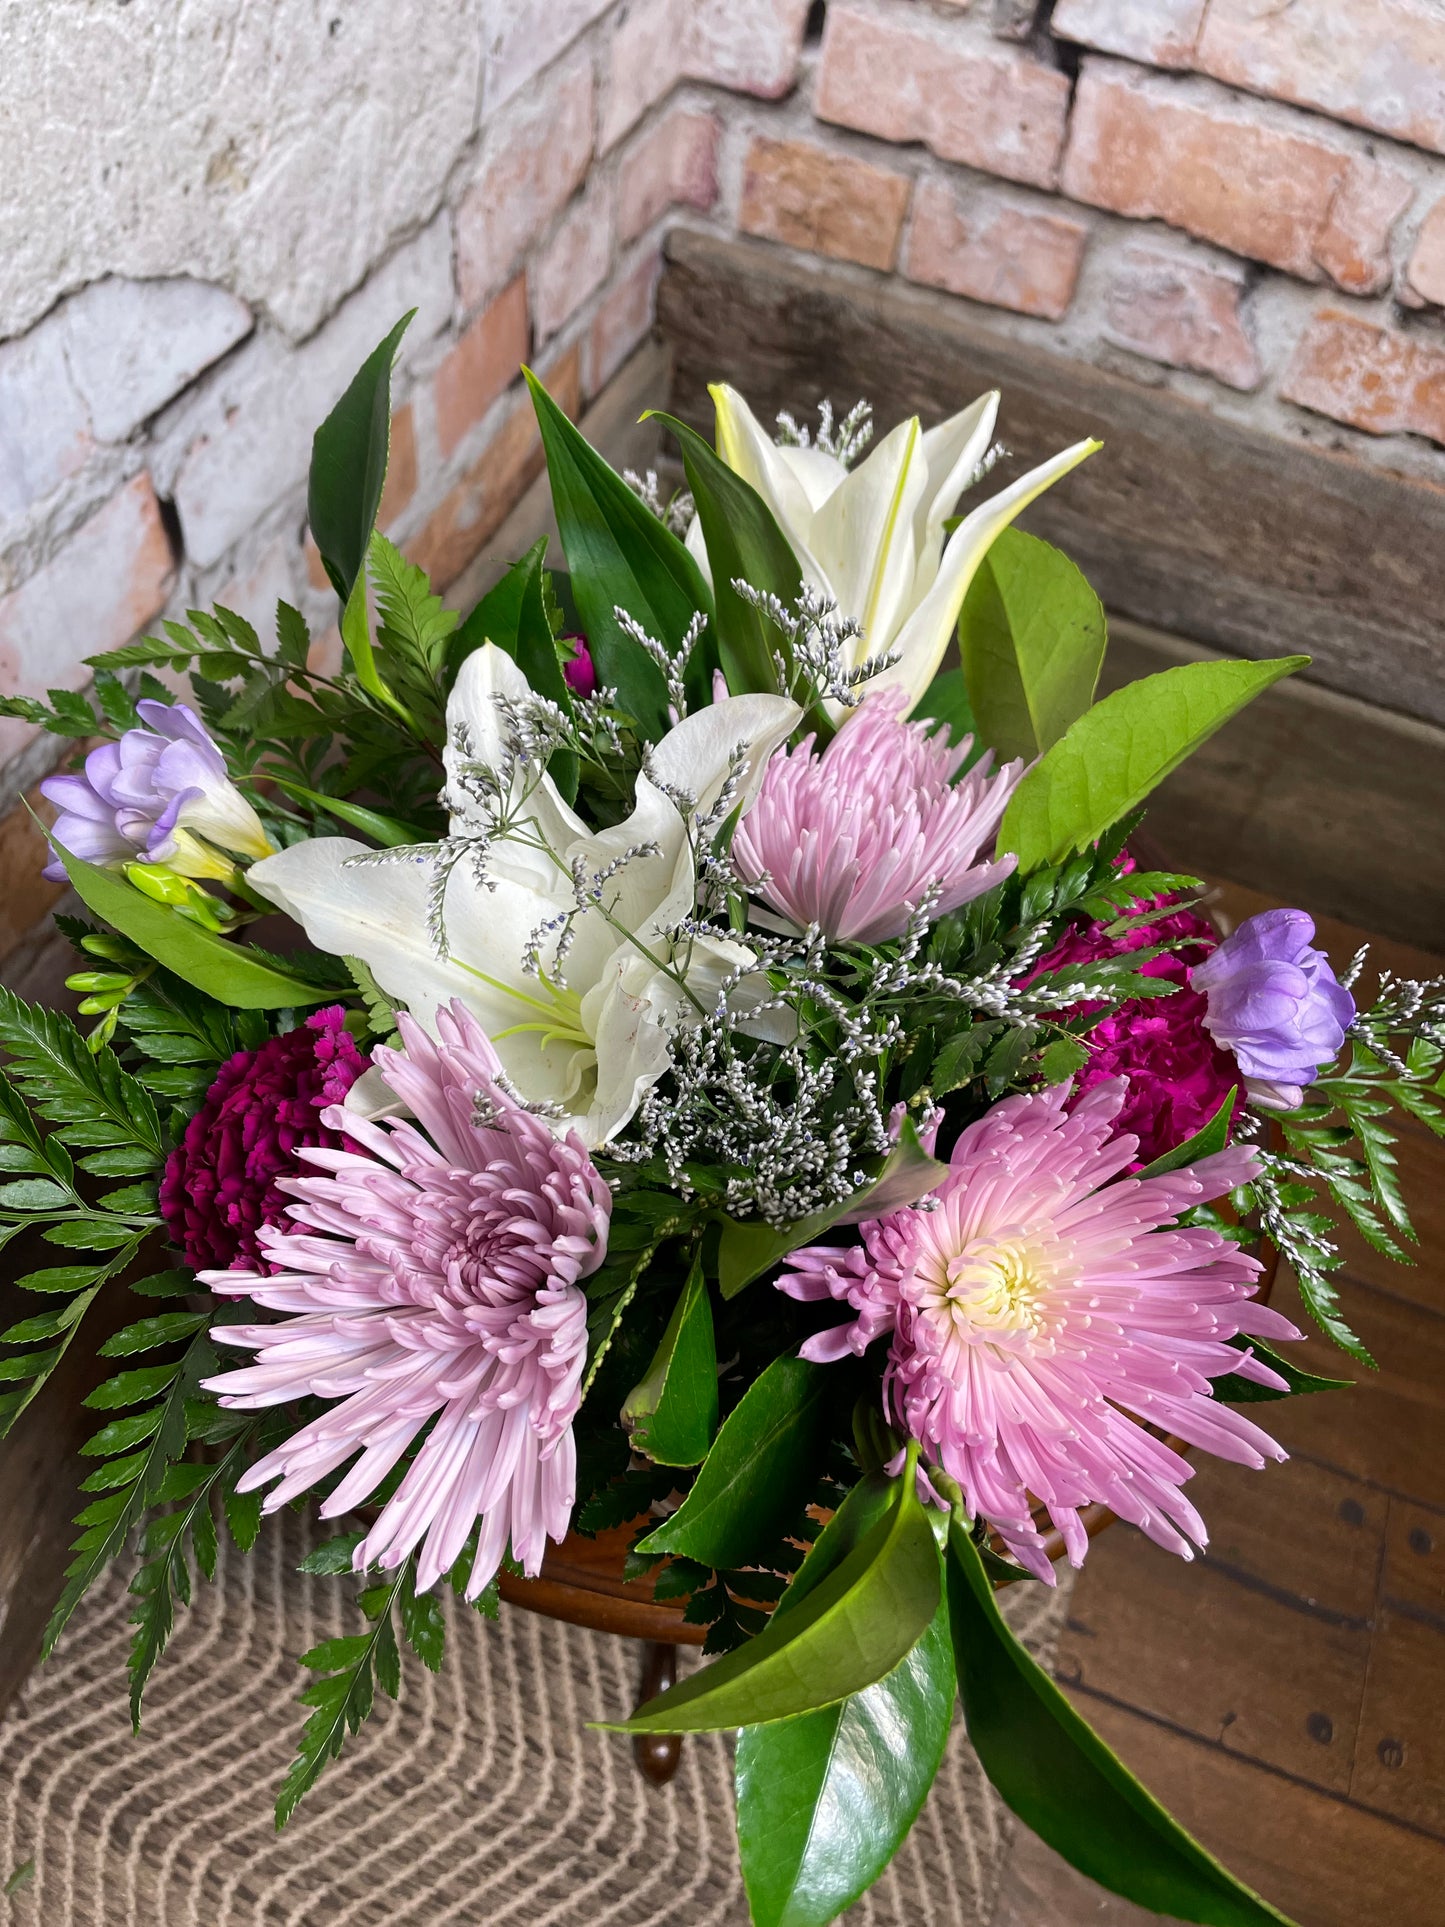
x=854, y=839
x=433, y=1276
x=150, y=795
x=1045, y=1305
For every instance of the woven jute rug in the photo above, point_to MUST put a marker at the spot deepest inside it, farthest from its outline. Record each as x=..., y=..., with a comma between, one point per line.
x=480, y=1799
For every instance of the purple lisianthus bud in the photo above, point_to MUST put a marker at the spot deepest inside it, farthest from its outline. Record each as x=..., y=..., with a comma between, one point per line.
x=150, y=796
x=1273, y=1000
x=580, y=674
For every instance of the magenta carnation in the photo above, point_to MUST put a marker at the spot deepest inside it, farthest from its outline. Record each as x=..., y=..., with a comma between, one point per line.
x=1177, y=1075
x=432, y=1281
x=220, y=1184
x=854, y=839
x=1045, y=1305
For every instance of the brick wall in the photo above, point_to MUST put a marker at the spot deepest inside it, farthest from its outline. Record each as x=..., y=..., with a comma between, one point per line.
x=1243, y=202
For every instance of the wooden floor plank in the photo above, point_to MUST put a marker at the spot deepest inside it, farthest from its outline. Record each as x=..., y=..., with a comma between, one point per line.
x=1268, y=1638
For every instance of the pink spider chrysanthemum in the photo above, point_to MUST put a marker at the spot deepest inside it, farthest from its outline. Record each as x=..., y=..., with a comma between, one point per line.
x=1042, y=1307
x=432, y=1275
x=853, y=840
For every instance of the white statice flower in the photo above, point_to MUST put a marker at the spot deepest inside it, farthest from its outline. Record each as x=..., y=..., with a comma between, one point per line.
x=872, y=537
x=581, y=1019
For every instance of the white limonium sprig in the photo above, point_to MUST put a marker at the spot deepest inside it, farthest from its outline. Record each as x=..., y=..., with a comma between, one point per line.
x=672, y=663
x=823, y=663
x=846, y=440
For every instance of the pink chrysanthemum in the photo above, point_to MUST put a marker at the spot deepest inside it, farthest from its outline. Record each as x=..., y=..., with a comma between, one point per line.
x=433, y=1276
x=1044, y=1305
x=853, y=839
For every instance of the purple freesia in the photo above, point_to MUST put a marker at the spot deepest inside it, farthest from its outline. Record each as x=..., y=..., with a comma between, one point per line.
x=1273, y=1000
x=149, y=796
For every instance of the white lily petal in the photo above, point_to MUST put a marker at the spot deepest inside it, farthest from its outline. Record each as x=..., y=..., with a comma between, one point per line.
x=696, y=754
x=923, y=640
x=751, y=452
x=863, y=534
x=818, y=471
x=489, y=673
x=377, y=912
x=953, y=450
x=697, y=548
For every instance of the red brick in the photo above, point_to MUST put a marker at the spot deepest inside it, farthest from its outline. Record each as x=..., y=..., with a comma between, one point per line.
x=674, y=163
x=1183, y=313
x=991, y=107
x=481, y=365
x=1161, y=33
x=622, y=321
x=400, y=467
x=537, y=158
x=1203, y=161
x=1380, y=63
x=575, y=262
x=481, y=501
x=978, y=244
x=1372, y=378
x=25, y=896
x=1426, y=272
x=829, y=203
x=107, y=581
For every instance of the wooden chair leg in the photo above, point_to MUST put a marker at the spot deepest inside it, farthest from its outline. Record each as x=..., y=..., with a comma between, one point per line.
x=657, y=1754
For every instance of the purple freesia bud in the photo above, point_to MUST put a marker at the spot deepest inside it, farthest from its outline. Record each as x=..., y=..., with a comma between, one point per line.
x=150, y=796
x=580, y=674
x=1273, y=1000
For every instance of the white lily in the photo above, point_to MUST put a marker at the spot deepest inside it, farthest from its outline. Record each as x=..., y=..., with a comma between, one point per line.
x=872, y=537
x=589, y=1031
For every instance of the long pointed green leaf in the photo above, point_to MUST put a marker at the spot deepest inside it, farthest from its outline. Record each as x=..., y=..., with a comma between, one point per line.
x=348, y=465
x=848, y=1633
x=385, y=830
x=743, y=541
x=1116, y=753
x=1064, y=1783
x=621, y=556
x=756, y=1479
x=824, y=1800
x=1031, y=634
x=232, y=973
x=673, y=1411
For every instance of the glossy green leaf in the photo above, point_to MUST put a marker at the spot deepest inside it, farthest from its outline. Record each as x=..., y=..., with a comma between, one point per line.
x=620, y=555
x=672, y=1412
x=1064, y=1783
x=1113, y=756
x=356, y=635
x=849, y=1631
x=230, y=972
x=748, y=1247
x=385, y=830
x=824, y=1800
x=348, y=466
x=743, y=542
x=759, y=1474
x=1031, y=635
x=1245, y=1391
x=1208, y=1139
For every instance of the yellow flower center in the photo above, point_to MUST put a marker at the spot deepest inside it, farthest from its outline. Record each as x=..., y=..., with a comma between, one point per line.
x=994, y=1288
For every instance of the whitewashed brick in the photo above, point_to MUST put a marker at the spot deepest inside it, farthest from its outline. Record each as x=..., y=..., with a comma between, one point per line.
x=528, y=38
x=574, y=263
x=249, y=445
x=280, y=148
x=134, y=345
x=104, y=585
x=44, y=429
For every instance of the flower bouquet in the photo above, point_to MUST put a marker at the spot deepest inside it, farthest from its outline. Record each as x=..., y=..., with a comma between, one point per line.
x=723, y=1072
